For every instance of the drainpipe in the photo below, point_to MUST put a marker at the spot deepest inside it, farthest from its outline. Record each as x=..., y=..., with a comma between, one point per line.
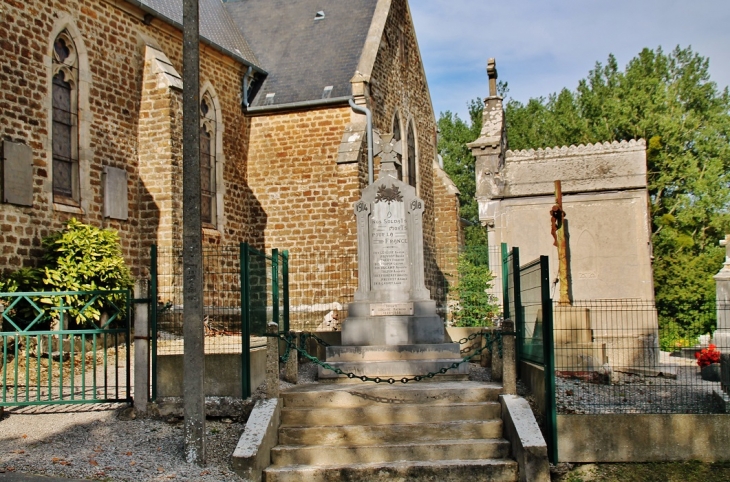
x=369, y=115
x=246, y=85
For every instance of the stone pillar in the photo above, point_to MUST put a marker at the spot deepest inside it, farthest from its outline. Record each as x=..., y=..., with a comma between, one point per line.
x=497, y=362
x=721, y=336
x=291, y=369
x=272, y=361
x=509, y=367
x=141, y=348
x=489, y=150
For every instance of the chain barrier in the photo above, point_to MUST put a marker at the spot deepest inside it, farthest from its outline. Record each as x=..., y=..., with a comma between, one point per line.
x=289, y=338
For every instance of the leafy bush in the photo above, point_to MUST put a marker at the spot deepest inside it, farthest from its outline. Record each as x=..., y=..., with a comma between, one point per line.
x=79, y=258
x=475, y=307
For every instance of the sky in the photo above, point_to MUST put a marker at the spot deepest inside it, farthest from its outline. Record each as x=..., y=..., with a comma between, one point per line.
x=542, y=46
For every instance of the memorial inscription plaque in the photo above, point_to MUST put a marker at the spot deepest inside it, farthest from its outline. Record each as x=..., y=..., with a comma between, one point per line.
x=389, y=248
x=391, y=309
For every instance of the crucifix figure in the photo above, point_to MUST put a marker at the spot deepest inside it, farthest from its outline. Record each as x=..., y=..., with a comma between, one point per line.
x=561, y=242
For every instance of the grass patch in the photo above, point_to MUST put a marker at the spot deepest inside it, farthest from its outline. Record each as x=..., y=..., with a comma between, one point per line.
x=693, y=471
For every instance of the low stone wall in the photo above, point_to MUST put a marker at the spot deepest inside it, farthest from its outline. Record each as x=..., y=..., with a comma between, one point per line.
x=643, y=437
x=533, y=376
x=222, y=373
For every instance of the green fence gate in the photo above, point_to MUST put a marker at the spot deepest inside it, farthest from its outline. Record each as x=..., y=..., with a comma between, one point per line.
x=243, y=289
x=65, y=347
x=526, y=295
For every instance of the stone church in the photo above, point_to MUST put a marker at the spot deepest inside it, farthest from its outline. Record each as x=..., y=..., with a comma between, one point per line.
x=91, y=127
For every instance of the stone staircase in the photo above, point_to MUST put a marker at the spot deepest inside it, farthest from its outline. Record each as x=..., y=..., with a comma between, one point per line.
x=435, y=431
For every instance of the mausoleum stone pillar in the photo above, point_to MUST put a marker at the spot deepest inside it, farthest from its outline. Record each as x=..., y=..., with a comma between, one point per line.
x=721, y=336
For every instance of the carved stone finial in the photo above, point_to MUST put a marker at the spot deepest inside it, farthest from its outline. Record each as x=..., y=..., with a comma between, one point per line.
x=492, y=74
x=726, y=242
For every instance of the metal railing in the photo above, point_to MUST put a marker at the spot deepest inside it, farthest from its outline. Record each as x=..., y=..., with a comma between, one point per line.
x=65, y=347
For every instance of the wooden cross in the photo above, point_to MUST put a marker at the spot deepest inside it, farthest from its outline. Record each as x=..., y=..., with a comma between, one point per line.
x=561, y=242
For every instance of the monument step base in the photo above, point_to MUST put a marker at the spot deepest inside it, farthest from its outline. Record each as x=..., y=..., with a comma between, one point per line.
x=395, y=368
x=406, y=471
x=393, y=330
x=436, y=351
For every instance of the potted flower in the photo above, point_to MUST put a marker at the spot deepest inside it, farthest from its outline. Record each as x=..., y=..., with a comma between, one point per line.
x=709, y=361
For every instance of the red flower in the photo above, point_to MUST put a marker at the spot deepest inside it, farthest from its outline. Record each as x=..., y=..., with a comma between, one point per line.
x=707, y=356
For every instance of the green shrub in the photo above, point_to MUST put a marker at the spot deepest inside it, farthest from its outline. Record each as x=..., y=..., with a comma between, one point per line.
x=79, y=258
x=475, y=306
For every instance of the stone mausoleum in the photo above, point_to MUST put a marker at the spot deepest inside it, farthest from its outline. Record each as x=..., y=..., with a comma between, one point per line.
x=606, y=201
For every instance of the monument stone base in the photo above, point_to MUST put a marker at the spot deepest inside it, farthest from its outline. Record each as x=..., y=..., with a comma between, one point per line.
x=422, y=326
x=394, y=361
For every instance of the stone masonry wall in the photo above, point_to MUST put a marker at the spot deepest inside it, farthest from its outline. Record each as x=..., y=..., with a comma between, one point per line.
x=398, y=84
x=111, y=38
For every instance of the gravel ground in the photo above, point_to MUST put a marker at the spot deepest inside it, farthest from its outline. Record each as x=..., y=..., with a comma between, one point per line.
x=101, y=442
x=629, y=393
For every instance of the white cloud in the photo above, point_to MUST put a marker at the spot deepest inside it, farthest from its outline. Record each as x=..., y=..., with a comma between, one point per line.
x=542, y=46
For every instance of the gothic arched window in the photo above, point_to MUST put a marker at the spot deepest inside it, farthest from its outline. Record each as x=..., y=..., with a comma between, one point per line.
x=411, y=153
x=208, y=138
x=65, y=134
x=397, y=140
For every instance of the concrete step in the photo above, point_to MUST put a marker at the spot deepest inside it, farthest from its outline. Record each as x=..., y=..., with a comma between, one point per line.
x=395, y=368
x=351, y=435
x=430, y=450
x=392, y=352
x=389, y=414
x=498, y=470
x=365, y=394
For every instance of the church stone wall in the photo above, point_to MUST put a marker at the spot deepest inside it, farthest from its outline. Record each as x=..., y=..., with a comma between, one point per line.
x=111, y=36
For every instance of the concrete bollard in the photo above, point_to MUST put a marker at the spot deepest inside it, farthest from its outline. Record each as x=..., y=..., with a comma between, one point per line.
x=272, y=361
x=141, y=348
x=497, y=362
x=291, y=368
x=509, y=365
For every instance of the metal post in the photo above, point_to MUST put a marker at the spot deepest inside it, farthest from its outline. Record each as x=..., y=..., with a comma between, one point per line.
x=193, y=334
x=153, y=318
x=275, y=284
x=245, y=322
x=285, y=280
x=505, y=281
x=548, y=347
x=519, y=315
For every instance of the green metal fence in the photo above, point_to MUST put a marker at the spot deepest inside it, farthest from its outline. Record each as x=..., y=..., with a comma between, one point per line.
x=65, y=347
x=243, y=289
x=527, y=302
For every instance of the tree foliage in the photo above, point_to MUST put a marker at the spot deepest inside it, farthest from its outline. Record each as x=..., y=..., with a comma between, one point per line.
x=454, y=134
x=670, y=101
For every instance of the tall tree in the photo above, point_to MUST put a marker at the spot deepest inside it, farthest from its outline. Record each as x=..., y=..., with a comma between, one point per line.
x=454, y=134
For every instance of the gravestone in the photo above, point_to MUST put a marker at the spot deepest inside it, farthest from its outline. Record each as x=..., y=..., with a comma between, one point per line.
x=392, y=328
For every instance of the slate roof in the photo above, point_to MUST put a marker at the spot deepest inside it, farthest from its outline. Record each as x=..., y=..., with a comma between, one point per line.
x=303, y=55
x=216, y=26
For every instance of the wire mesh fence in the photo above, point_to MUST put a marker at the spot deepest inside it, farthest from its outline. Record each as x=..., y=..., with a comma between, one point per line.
x=223, y=292
x=322, y=283
x=608, y=360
